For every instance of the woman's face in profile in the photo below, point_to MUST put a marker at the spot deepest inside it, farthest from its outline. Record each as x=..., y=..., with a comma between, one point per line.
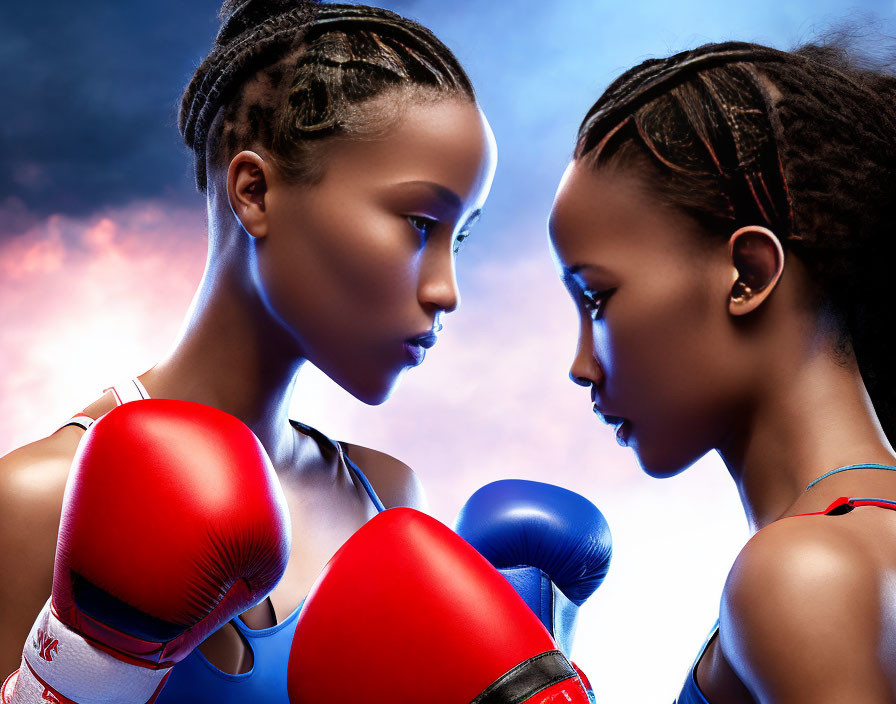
x=359, y=264
x=656, y=345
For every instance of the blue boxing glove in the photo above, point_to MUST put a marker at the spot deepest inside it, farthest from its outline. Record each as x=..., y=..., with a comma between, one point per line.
x=552, y=544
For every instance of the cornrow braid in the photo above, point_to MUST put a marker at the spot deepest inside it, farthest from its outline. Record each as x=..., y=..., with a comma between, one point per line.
x=228, y=65
x=655, y=76
x=285, y=73
x=803, y=142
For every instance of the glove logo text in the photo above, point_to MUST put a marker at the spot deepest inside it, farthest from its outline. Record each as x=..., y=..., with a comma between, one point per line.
x=46, y=645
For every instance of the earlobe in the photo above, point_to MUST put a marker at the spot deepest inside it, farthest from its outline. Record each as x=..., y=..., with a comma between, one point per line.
x=757, y=260
x=246, y=190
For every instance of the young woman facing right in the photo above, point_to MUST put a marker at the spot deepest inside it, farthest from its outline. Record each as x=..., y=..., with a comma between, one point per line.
x=344, y=159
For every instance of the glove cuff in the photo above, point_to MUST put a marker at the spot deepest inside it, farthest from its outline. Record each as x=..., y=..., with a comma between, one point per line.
x=553, y=608
x=62, y=662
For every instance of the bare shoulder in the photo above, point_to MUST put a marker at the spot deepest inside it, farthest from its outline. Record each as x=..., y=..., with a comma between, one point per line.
x=394, y=482
x=803, y=612
x=36, y=472
x=32, y=484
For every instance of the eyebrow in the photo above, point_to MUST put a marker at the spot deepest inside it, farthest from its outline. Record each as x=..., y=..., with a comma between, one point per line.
x=446, y=195
x=569, y=272
x=573, y=269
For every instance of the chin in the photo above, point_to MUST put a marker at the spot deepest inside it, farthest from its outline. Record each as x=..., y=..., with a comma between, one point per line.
x=373, y=394
x=661, y=464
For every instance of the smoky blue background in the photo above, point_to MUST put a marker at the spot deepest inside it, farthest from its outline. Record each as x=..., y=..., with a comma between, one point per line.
x=90, y=89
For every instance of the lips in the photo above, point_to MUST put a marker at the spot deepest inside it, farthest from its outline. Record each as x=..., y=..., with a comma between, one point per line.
x=425, y=340
x=622, y=425
x=605, y=417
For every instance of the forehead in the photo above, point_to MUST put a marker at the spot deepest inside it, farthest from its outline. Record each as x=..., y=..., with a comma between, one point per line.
x=609, y=217
x=444, y=140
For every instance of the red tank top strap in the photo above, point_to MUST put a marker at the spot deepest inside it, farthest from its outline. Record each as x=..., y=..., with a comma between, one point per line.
x=845, y=504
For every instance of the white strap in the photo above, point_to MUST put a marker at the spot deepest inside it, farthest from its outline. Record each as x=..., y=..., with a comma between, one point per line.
x=70, y=665
x=127, y=391
x=82, y=420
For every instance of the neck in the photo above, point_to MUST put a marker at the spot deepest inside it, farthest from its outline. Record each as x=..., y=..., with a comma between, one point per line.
x=233, y=354
x=812, y=416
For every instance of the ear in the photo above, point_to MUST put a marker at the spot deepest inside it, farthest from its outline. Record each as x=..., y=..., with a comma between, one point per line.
x=246, y=189
x=757, y=260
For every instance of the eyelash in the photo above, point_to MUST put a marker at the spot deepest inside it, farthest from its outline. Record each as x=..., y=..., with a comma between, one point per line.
x=468, y=226
x=595, y=302
x=423, y=225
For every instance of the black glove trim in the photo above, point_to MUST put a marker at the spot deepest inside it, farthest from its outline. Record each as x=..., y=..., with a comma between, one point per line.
x=528, y=679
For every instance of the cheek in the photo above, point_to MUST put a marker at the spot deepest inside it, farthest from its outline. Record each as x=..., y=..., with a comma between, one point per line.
x=666, y=373
x=342, y=271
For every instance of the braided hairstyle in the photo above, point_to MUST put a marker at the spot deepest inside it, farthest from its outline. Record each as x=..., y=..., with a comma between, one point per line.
x=285, y=74
x=801, y=142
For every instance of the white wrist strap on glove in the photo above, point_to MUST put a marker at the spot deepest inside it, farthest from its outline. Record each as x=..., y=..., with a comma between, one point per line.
x=57, y=658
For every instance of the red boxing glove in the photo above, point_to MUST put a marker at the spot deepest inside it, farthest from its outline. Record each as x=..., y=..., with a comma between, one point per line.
x=173, y=522
x=408, y=612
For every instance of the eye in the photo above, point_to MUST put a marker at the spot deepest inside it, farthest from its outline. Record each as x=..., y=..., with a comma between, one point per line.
x=468, y=226
x=423, y=225
x=595, y=302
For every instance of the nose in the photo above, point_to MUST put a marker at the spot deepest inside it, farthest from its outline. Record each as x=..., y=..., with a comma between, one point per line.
x=438, y=284
x=585, y=369
x=578, y=380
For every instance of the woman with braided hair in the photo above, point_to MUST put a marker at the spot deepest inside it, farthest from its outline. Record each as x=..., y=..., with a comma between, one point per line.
x=726, y=231
x=344, y=158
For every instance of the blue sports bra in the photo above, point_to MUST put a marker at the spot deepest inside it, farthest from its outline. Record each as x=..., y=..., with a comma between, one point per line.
x=690, y=693
x=195, y=680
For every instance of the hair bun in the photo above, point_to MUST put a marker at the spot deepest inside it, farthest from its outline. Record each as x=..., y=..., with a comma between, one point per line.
x=237, y=16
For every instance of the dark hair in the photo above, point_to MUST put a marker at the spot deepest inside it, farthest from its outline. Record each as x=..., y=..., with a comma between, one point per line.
x=283, y=74
x=801, y=142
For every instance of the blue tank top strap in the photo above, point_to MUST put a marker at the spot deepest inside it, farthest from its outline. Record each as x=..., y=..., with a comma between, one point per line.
x=690, y=692
x=359, y=475
x=883, y=503
x=870, y=465
x=349, y=462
